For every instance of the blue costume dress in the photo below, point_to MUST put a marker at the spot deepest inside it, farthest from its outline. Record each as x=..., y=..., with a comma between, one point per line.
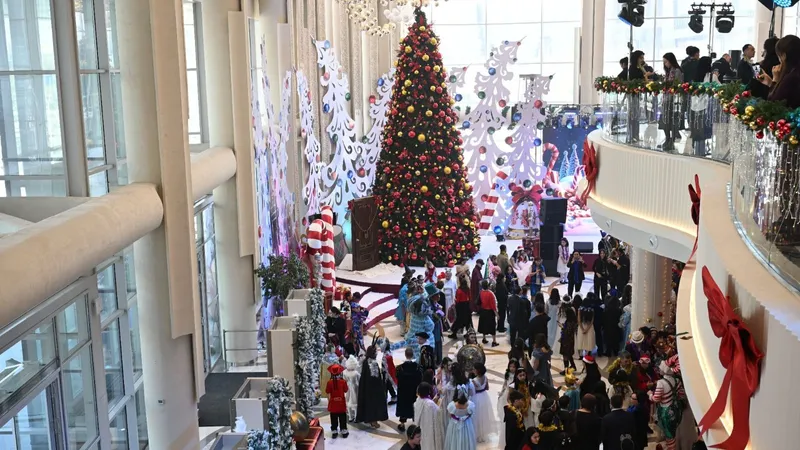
x=461, y=430
x=402, y=303
x=359, y=317
x=421, y=320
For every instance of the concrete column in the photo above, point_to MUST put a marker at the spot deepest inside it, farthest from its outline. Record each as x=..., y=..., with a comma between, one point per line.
x=651, y=277
x=169, y=374
x=235, y=272
x=763, y=19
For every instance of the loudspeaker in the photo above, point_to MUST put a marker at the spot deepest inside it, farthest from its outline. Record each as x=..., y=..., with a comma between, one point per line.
x=583, y=247
x=551, y=267
x=551, y=233
x=554, y=211
x=548, y=251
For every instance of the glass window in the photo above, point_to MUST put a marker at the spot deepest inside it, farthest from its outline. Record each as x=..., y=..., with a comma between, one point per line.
x=27, y=37
x=98, y=184
x=73, y=326
x=85, y=28
x=211, y=269
x=136, y=340
x=25, y=361
x=31, y=428
x=33, y=188
x=192, y=72
x=116, y=104
x=112, y=361
x=93, y=120
x=111, y=33
x=119, y=431
x=79, y=399
x=208, y=222
x=130, y=272
x=141, y=419
x=107, y=288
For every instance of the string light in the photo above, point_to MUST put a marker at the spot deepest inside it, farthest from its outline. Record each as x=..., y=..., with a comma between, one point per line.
x=648, y=319
x=665, y=278
x=365, y=15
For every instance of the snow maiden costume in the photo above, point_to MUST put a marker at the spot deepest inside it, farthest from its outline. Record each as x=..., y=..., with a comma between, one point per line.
x=563, y=258
x=352, y=375
x=485, y=423
x=461, y=428
x=421, y=321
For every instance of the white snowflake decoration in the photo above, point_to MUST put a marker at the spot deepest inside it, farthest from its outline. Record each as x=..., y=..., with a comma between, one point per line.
x=379, y=113
x=313, y=190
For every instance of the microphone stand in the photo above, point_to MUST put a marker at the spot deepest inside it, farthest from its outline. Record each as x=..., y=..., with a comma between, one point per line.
x=630, y=52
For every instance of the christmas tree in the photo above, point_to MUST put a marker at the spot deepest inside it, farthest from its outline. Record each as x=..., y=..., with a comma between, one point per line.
x=424, y=199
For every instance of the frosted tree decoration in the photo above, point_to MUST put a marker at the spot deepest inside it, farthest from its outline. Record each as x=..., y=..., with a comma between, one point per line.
x=482, y=153
x=525, y=159
x=456, y=81
x=313, y=190
x=378, y=112
x=340, y=177
x=280, y=162
x=261, y=144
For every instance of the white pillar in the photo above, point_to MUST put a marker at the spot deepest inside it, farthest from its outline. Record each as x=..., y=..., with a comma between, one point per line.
x=652, y=286
x=763, y=19
x=235, y=272
x=149, y=103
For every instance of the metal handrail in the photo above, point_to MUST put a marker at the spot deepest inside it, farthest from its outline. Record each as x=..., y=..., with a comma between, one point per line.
x=225, y=348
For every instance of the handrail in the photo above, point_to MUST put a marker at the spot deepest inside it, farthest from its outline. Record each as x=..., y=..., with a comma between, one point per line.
x=765, y=170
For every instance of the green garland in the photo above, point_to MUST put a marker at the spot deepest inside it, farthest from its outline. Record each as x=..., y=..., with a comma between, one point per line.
x=317, y=300
x=304, y=374
x=279, y=413
x=761, y=116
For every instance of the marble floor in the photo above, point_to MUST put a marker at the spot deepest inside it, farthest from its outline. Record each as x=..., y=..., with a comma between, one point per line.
x=387, y=437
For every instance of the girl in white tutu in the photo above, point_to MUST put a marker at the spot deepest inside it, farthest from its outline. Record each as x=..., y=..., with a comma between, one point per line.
x=485, y=423
x=461, y=426
x=502, y=399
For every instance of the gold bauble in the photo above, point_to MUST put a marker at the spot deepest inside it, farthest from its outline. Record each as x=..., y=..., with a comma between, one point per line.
x=428, y=113
x=385, y=224
x=793, y=140
x=447, y=170
x=438, y=233
x=425, y=57
x=399, y=134
x=460, y=192
x=416, y=72
x=300, y=425
x=422, y=28
x=416, y=220
x=408, y=49
x=433, y=88
x=409, y=234
x=424, y=232
x=421, y=137
x=436, y=68
x=466, y=221
x=416, y=172
x=388, y=185
x=423, y=189
x=407, y=83
x=410, y=108
x=432, y=40
x=382, y=207
x=438, y=197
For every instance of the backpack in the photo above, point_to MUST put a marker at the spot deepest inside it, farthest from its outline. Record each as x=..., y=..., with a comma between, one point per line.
x=679, y=403
x=626, y=442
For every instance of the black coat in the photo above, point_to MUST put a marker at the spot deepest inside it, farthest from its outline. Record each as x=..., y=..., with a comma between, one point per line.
x=618, y=425
x=576, y=270
x=537, y=325
x=745, y=71
x=337, y=326
x=588, y=428
x=501, y=293
x=371, y=396
x=641, y=418
x=514, y=433
x=769, y=62
x=519, y=309
x=409, y=376
x=689, y=69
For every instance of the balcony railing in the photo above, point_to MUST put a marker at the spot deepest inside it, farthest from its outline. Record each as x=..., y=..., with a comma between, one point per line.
x=765, y=172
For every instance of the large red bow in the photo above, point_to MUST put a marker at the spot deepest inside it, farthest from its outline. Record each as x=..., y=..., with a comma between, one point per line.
x=739, y=354
x=694, y=195
x=520, y=194
x=591, y=169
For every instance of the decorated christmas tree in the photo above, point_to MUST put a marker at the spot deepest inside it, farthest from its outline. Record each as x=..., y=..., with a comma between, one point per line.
x=425, y=202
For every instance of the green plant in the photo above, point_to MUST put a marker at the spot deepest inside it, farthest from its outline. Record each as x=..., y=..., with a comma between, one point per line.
x=282, y=274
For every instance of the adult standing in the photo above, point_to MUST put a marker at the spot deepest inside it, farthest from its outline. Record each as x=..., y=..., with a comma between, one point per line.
x=689, y=64
x=372, y=391
x=600, y=274
x=501, y=293
x=409, y=376
x=576, y=273
x=588, y=425
x=618, y=427
x=487, y=322
x=463, y=313
x=624, y=272
x=591, y=377
x=568, y=332
x=611, y=330
x=745, y=68
x=475, y=285
x=669, y=398
x=538, y=324
x=519, y=309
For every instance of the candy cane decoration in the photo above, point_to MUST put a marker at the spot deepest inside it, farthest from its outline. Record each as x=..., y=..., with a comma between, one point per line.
x=320, y=241
x=551, y=180
x=491, y=203
x=580, y=173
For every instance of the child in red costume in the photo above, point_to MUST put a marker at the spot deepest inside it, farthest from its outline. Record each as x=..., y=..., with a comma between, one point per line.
x=337, y=405
x=430, y=272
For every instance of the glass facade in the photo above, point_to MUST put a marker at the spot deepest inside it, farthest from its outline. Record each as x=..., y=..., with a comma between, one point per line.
x=50, y=376
x=207, y=277
x=666, y=29
x=469, y=29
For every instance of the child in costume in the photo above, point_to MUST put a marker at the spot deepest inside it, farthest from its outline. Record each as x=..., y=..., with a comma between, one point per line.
x=514, y=423
x=352, y=375
x=484, y=416
x=461, y=427
x=523, y=386
x=359, y=318
x=426, y=411
x=430, y=272
x=572, y=391
x=387, y=362
x=337, y=405
x=502, y=398
x=670, y=399
x=443, y=376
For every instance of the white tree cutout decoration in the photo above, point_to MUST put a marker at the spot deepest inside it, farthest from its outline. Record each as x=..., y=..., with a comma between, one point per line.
x=484, y=155
x=525, y=158
x=313, y=189
x=340, y=177
x=280, y=164
x=456, y=81
x=378, y=112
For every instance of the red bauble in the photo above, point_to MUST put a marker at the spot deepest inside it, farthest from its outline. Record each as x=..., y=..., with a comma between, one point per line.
x=389, y=141
x=396, y=228
x=361, y=172
x=448, y=120
x=456, y=210
x=417, y=235
x=509, y=140
x=431, y=211
x=482, y=150
x=423, y=158
x=438, y=89
x=408, y=175
x=412, y=134
x=386, y=170
x=537, y=103
x=456, y=166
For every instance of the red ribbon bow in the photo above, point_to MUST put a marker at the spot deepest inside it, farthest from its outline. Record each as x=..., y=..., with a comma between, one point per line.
x=694, y=195
x=520, y=194
x=591, y=169
x=739, y=354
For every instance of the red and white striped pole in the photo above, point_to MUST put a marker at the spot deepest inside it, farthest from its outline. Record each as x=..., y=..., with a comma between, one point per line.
x=490, y=205
x=320, y=241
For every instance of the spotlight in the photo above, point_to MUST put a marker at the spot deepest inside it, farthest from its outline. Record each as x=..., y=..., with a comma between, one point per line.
x=696, y=18
x=725, y=19
x=632, y=12
x=498, y=233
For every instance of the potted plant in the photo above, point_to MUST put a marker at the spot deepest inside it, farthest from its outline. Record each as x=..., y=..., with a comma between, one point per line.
x=282, y=274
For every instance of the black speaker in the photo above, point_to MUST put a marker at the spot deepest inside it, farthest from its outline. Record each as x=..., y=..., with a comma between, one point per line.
x=554, y=211
x=551, y=267
x=583, y=247
x=551, y=233
x=548, y=250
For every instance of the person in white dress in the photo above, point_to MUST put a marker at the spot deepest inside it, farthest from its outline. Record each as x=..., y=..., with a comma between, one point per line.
x=448, y=393
x=352, y=375
x=485, y=423
x=460, y=433
x=563, y=259
x=449, y=289
x=585, y=343
x=502, y=398
x=426, y=414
